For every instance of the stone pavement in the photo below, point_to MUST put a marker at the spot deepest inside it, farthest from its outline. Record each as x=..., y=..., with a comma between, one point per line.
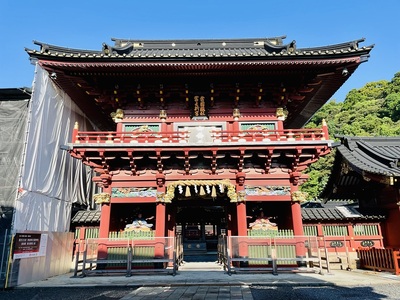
x=193, y=282
x=192, y=292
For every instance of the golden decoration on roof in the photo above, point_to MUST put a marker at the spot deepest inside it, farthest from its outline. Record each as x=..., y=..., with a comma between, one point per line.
x=281, y=113
x=118, y=115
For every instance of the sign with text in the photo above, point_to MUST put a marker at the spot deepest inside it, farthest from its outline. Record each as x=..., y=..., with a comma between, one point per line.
x=199, y=107
x=336, y=244
x=367, y=243
x=30, y=245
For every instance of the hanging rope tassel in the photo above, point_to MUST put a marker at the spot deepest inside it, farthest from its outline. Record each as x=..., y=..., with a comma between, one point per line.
x=202, y=192
x=214, y=192
x=187, y=193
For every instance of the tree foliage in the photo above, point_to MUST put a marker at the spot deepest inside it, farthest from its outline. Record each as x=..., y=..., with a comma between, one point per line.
x=373, y=110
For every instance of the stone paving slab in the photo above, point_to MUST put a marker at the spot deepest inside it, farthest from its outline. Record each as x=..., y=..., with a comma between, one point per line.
x=214, y=285
x=206, y=278
x=191, y=292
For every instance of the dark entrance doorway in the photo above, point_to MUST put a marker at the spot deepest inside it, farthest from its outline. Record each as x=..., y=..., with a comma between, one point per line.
x=200, y=222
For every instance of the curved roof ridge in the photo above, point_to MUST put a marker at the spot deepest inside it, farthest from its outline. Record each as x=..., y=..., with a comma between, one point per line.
x=362, y=154
x=44, y=47
x=365, y=144
x=349, y=44
x=211, y=40
x=368, y=147
x=256, y=46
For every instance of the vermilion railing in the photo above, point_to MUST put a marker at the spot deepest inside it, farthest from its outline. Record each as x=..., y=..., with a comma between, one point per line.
x=380, y=259
x=217, y=136
x=111, y=137
x=268, y=135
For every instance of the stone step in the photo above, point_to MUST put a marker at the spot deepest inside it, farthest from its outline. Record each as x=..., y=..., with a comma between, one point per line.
x=201, y=266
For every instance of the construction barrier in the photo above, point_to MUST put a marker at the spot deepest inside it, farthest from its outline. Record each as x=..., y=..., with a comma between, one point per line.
x=121, y=255
x=273, y=253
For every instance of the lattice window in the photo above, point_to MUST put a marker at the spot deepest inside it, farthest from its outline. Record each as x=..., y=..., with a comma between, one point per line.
x=150, y=127
x=335, y=230
x=258, y=126
x=363, y=229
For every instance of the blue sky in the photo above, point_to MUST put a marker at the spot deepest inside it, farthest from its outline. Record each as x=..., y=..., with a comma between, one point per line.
x=86, y=24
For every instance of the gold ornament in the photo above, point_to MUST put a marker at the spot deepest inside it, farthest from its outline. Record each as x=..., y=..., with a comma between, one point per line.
x=225, y=184
x=102, y=198
x=298, y=196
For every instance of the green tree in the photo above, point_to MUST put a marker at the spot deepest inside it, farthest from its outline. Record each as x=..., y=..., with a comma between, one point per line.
x=391, y=106
x=318, y=173
x=373, y=110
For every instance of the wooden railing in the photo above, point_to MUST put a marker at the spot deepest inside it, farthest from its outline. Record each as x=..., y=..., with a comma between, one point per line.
x=111, y=137
x=217, y=136
x=380, y=259
x=352, y=236
x=268, y=135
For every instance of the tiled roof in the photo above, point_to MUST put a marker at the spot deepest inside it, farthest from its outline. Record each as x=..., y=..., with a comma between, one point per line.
x=321, y=214
x=8, y=94
x=376, y=155
x=329, y=212
x=315, y=212
x=86, y=216
x=303, y=78
x=208, y=49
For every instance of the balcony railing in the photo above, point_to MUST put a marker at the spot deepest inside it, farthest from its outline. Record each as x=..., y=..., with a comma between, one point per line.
x=109, y=137
x=268, y=135
x=216, y=136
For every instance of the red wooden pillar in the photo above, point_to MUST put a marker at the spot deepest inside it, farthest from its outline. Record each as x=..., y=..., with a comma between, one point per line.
x=105, y=217
x=242, y=233
x=295, y=205
x=241, y=206
x=320, y=235
x=296, y=216
x=160, y=207
x=241, y=218
x=160, y=220
x=320, y=231
x=104, y=230
x=297, y=220
x=105, y=220
x=82, y=233
x=352, y=242
x=160, y=230
x=298, y=231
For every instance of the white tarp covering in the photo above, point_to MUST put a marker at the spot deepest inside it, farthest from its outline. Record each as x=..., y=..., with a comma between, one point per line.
x=13, y=117
x=51, y=180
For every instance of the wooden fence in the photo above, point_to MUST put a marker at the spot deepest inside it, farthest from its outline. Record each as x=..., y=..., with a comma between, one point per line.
x=380, y=259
